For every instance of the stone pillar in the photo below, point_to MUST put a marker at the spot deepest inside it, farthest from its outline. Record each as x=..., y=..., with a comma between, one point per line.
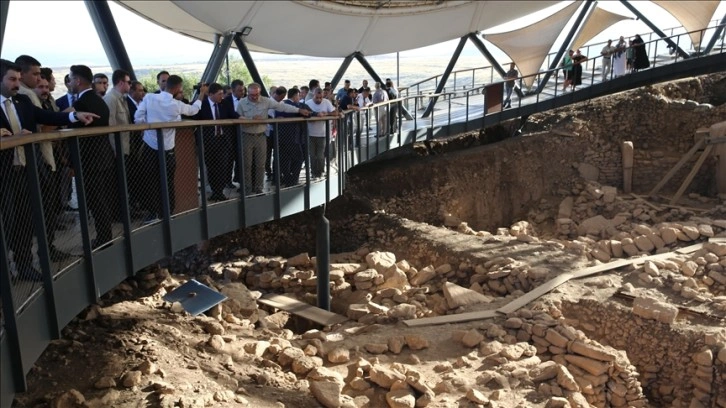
x=718, y=132
x=627, y=149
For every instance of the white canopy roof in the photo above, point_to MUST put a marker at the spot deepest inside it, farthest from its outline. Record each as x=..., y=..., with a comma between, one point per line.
x=596, y=22
x=334, y=28
x=694, y=15
x=528, y=46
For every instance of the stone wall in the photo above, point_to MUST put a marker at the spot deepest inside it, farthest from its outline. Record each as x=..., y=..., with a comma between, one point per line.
x=493, y=185
x=676, y=365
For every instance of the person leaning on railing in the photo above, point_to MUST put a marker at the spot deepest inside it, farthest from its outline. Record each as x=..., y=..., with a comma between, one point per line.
x=155, y=108
x=19, y=117
x=256, y=107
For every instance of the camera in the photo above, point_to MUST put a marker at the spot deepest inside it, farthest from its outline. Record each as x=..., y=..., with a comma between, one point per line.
x=199, y=85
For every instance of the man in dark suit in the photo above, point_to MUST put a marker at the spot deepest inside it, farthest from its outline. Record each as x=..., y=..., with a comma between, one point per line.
x=21, y=117
x=217, y=146
x=65, y=101
x=238, y=92
x=97, y=157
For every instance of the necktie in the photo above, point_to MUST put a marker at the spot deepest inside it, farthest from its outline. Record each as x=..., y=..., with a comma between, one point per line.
x=217, y=129
x=19, y=156
x=73, y=99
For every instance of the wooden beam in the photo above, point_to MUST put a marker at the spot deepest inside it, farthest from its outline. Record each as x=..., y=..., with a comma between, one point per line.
x=692, y=174
x=455, y=318
x=301, y=309
x=699, y=144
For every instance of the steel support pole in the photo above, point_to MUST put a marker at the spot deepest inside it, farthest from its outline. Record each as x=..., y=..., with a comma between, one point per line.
x=250, y=63
x=655, y=29
x=109, y=35
x=323, y=260
x=374, y=76
x=565, y=45
x=341, y=71
x=214, y=65
x=716, y=35
x=495, y=64
x=9, y=314
x=4, y=7
x=445, y=76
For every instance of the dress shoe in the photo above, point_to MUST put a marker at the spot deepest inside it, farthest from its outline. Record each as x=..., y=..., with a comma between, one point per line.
x=217, y=197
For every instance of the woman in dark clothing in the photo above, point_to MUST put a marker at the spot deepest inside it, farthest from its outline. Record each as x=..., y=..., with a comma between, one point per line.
x=577, y=60
x=641, y=56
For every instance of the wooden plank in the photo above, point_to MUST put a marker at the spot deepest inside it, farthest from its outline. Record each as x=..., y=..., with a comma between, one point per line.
x=456, y=318
x=689, y=249
x=718, y=240
x=535, y=293
x=301, y=309
x=692, y=174
x=677, y=167
x=646, y=202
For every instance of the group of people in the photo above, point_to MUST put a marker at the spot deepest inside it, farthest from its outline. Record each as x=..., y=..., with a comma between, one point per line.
x=95, y=100
x=622, y=58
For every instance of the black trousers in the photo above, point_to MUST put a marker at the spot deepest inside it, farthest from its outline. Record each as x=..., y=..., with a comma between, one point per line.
x=291, y=160
x=233, y=166
x=50, y=185
x=217, y=152
x=100, y=185
x=153, y=192
x=268, y=157
x=17, y=215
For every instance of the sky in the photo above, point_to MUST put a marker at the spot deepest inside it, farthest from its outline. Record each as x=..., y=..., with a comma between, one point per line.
x=65, y=22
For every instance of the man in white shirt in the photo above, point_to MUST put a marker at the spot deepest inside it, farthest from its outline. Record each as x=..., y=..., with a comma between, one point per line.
x=316, y=130
x=607, y=57
x=162, y=107
x=380, y=96
x=364, y=100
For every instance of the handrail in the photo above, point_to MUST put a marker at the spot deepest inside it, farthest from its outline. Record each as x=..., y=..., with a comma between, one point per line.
x=14, y=141
x=418, y=84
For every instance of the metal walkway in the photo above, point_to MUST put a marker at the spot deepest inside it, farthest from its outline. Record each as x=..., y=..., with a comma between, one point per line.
x=33, y=320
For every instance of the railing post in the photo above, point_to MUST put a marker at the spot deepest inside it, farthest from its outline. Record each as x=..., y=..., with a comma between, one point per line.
x=199, y=137
x=9, y=314
x=75, y=152
x=164, y=191
x=123, y=195
x=322, y=258
x=276, y=158
x=241, y=176
x=36, y=203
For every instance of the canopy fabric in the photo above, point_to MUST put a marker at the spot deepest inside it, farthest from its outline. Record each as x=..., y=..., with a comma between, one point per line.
x=528, y=46
x=331, y=28
x=596, y=22
x=693, y=15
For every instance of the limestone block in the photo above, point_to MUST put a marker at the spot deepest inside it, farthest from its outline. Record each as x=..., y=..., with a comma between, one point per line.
x=302, y=259
x=591, y=366
x=691, y=232
x=689, y=268
x=423, y=276
x=326, y=392
x=616, y=248
x=591, y=350
x=565, y=208
x=609, y=194
x=593, y=225
x=566, y=380
x=384, y=377
x=669, y=235
x=457, y=296
x=380, y=261
x=556, y=338
x=715, y=248
x=394, y=278
x=472, y=338
x=650, y=308
x=704, y=358
x=643, y=243
x=588, y=172
x=651, y=269
x=400, y=399
x=600, y=255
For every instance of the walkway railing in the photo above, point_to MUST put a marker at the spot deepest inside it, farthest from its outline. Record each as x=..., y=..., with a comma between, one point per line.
x=470, y=78
x=147, y=205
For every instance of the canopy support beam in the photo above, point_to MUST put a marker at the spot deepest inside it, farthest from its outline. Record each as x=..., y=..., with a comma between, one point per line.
x=250, y=63
x=655, y=29
x=216, y=59
x=374, y=76
x=565, y=45
x=445, y=76
x=716, y=34
x=4, y=7
x=341, y=71
x=109, y=35
x=489, y=57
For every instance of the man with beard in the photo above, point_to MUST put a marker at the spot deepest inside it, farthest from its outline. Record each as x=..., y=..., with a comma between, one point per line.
x=21, y=117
